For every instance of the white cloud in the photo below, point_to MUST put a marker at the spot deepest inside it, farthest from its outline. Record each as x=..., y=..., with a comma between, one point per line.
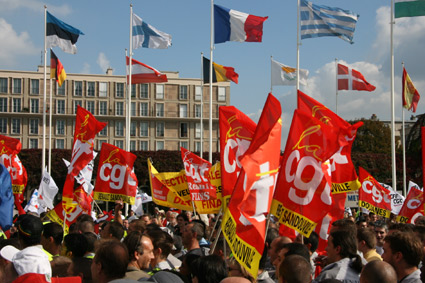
x=33, y=5
x=13, y=44
x=103, y=62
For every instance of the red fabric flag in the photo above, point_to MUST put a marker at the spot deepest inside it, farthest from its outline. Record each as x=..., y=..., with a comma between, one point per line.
x=115, y=178
x=410, y=94
x=244, y=222
x=303, y=195
x=373, y=196
x=142, y=73
x=344, y=176
x=197, y=176
x=236, y=132
x=350, y=79
x=413, y=204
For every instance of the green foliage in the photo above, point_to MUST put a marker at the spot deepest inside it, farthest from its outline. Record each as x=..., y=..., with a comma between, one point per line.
x=373, y=137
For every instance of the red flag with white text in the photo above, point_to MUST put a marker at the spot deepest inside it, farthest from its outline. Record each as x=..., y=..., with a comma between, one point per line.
x=413, y=204
x=115, y=176
x=373, y=196
x=244, y=222
x=350, y=79
x=236, y=132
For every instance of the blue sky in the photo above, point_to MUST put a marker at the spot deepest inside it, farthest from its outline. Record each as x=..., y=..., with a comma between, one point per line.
x=106, y=27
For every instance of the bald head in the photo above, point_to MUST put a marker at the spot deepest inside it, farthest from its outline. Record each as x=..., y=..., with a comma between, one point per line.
x=235, y=280
x=295, y=268
x=378, y=271
x=276, y=245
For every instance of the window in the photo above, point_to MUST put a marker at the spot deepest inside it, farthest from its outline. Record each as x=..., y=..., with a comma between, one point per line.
x=103, y=107
x=198, y=111
x=103, y=89
x=133, y=109
x=119, y=144
x=100, y=142
x=159, y=145
x=119, y=108
x=133, y=90
x=3, y=85
x=90, y=106
x=34, y=105
x=133, y=126
x=78, y=88
x=144, y=91
x=159, y=92
x=221, y=93
x=159, y=129
x=34, y=126
x=3, y=125
x=16, y=126
x=33, y=143
x=60, y=127
x=184, y=144
x=144, y=110
x=60, y=143
x=104, y=131
x=90, y=89
x=160, y=110
x=183, y=92
x=120, y=90
x=119, y=129
x=16, y=105
x=16, y=85
x=132, y=145
x=143, y=145
x=60, y=106
x=198, y=130
x=61, y=89
x=35, y=87
x=76, y=104
x=198, y=93
x=183, y=110
x=183, y=130
x=3, y=104
x=197, y=146
x=144, y=129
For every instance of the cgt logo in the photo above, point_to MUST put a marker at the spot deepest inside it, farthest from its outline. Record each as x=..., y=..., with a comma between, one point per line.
x=377, y=195
x=115, y=175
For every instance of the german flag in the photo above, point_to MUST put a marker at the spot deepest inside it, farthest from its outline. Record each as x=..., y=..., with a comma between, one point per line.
x=56, y=69
x=220, y=73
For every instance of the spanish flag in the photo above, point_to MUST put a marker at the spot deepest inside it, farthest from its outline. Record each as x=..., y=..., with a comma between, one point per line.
x=409, y=92
x=220, y=73
x=56, y=69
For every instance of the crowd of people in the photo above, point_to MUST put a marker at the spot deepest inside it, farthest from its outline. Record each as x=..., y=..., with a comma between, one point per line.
x=176, y=246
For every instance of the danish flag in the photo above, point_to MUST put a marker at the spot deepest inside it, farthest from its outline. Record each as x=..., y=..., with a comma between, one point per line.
x=350, y=79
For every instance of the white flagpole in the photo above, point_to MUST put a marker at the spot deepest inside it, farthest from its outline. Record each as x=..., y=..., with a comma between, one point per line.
x=404, y=147
x=201, y=152
x=394, y=175
x=43, y=153
x=336, y=86
x=128, y=108
x=50, y=124
x=211, y=78
x=298, y=45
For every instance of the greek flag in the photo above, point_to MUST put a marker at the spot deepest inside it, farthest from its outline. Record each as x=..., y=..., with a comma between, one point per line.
x=319, y=20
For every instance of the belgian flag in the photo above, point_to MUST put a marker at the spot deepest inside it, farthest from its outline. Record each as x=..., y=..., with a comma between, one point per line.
x=220, y=73
x=56, y=69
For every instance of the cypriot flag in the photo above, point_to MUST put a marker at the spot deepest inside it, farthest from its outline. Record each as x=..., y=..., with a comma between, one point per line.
x=285, y=75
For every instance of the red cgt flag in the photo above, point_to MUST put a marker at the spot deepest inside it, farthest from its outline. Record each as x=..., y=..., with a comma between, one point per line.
x=413, y=204
x=350, y=79
x=373, y=196
x=244, y=222
x=236, y=132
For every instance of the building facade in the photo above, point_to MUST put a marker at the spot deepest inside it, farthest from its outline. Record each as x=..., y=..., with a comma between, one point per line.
x=164, y=116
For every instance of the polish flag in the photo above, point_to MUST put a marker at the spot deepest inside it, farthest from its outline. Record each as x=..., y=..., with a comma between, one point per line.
x=350, y=79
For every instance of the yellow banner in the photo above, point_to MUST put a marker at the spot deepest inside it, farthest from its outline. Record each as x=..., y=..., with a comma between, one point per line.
x=113, y=197
x=18, y=189
x=292, y=219
x=402, y=219
x=244, y=253
x=340, y=188
x=378, y=211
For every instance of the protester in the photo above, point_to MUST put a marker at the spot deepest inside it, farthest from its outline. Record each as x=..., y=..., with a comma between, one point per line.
x=378, y=271
x=366, y=244
x=236, y=270
x=60, y=265
x=381, y=230
x=162, y=246
x=80, y=266
x=74, y=245
x=112, y=230
x=192, y=235
x=291, y=249
x=295, y=269
x=208, y=269
x=140, y=254
x=51, y=239
x=182, y=220
x=311, y=243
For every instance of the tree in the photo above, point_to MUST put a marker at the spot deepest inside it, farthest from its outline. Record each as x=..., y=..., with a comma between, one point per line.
x=373, y=137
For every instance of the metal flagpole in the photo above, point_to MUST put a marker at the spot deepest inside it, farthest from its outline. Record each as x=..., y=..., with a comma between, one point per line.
x=128, y=113
x=201, y=152
x=298, y=45
x=336, y=86
x=43, y=152
x=404, y=147
x=50, y=123
x=211, y=78
x=394, y=175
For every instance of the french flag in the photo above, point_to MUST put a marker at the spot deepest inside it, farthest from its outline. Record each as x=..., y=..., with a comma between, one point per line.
x=231, y=25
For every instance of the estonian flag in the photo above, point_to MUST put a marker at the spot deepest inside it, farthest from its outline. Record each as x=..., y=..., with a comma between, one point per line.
x=61, y=34
x=220, y=73
x=56, y=69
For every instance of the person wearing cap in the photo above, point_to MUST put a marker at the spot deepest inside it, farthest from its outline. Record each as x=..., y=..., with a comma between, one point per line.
x=32, y=259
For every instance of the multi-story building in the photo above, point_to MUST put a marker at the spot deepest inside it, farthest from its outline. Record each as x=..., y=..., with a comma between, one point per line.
x=163, y=116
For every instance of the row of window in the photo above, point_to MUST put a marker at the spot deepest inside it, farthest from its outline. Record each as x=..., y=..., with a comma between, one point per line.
x=103, y=89
x=34, y=125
